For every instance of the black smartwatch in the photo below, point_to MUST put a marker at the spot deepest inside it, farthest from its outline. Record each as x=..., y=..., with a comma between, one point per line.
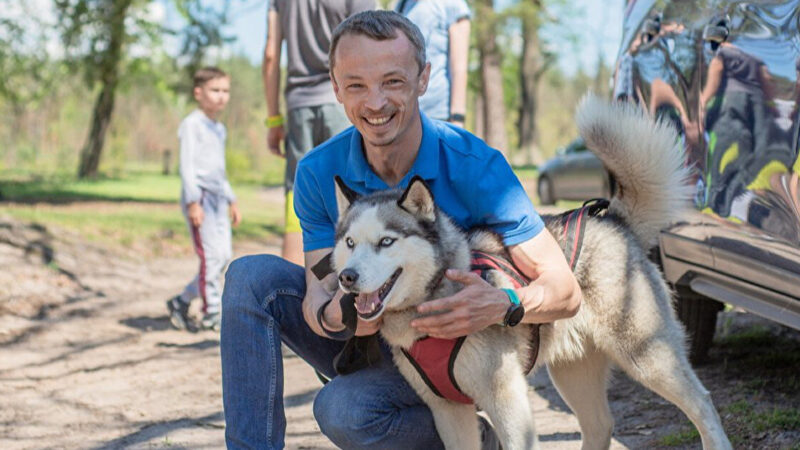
x=515, y=311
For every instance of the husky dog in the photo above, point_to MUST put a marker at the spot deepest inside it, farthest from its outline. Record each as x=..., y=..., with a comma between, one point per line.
x=393, y=247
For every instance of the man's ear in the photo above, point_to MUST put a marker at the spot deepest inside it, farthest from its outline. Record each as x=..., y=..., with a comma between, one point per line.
x=424, y=77
x=344, y=195
x=335, y=86
x=418, y=199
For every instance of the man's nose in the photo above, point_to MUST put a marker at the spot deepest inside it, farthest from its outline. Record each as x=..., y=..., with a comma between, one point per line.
x=376, y=100
x=348, y=277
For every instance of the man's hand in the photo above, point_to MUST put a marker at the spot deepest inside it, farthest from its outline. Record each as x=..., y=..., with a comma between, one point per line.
x=332, y=316
x=471, y=309
x=196, y=214
x=274, y=137
x=236, y=215
x=365, y=328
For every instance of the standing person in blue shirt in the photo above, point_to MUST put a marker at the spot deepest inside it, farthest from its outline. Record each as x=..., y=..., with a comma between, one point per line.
x=313, y=114
x=378, y=73
x=207, y=199
x=445, y=25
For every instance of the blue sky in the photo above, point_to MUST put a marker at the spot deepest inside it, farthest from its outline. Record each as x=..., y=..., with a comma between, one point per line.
x=588, y=28
x=596, y=25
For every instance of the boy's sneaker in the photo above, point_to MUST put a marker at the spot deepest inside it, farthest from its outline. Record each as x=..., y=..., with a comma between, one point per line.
x=178, y=313
x=211, y=321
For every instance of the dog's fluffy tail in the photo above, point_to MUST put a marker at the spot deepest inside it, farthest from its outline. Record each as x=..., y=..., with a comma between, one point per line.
x=646, y=159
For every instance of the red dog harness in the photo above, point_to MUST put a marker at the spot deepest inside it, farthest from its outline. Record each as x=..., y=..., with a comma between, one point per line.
x=434, y=358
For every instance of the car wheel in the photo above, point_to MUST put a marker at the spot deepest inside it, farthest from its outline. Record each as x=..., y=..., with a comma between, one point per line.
x=699, y=316
x=544, y=189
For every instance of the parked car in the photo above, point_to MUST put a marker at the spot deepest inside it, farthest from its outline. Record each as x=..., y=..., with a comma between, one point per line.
x=726, y=75
x=574, y=173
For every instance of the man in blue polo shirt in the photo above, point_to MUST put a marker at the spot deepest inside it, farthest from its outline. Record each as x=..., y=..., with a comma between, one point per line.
x=378, y=68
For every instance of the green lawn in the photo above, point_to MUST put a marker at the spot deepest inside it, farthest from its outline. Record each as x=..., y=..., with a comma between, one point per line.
x=135, y=209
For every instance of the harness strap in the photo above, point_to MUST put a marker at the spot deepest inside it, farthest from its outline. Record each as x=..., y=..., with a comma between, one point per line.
x=574, y=223
x=482, y=263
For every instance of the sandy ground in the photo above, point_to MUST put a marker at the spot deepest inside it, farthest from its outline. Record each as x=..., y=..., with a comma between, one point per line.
x=88, y=360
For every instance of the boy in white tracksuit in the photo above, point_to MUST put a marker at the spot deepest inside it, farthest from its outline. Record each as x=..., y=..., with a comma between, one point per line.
x=207, y=199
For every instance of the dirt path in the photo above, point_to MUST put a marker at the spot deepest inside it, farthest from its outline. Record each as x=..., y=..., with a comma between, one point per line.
x=89, y=361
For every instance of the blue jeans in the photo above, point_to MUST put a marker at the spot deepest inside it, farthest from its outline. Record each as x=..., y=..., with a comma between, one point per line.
x=261, y=306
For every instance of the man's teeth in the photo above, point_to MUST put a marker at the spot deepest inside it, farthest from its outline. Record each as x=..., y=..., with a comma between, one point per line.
x=378, y=120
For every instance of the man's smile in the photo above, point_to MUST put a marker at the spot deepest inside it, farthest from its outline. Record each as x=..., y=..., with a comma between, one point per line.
x=379, y=121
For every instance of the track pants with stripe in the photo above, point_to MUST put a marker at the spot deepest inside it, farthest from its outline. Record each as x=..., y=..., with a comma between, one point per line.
x=212, y=243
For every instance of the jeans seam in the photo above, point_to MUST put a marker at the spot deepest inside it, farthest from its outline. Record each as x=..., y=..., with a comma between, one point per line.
x=273, y=381
x=280, y=291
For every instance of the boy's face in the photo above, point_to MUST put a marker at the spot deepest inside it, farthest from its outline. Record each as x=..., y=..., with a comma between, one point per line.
x=213, y=95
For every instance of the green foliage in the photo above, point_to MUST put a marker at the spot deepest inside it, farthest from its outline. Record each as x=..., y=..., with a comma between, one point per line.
x=28, y=73
x=90, y=27
x=681, y=438
x=202, y=30
x=749, y=420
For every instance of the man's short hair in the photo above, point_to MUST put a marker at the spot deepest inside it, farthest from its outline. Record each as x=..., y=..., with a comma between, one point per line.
x=379, y=25
x=206, y=74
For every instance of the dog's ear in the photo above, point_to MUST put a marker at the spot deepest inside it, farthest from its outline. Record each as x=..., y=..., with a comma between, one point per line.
x=344, y=195
x=418, y=199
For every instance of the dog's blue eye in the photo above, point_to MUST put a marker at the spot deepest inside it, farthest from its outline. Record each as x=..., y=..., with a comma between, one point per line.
x=387, y=241
x=350, y=243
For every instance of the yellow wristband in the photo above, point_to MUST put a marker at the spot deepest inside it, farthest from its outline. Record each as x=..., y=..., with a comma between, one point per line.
x=273, y=121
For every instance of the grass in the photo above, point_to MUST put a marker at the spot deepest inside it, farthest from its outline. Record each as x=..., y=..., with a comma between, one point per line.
x=753, y=421
x=742, y=421
x=770, y=361
x=680, y=438
x=135, y=209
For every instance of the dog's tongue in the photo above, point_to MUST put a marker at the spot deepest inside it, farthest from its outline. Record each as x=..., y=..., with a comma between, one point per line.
x=367, y=303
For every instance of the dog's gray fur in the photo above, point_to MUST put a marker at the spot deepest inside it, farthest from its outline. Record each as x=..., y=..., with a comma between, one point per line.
x=626, y=317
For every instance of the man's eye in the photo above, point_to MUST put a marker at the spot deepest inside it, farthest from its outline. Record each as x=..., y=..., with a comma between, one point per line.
x=350, y=243
x=394, y=82
x=355, y=86
x=387, y=241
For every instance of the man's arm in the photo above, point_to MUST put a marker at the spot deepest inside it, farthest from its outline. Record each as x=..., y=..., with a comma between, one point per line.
x=319, y=292
x=459, y=56
x=271, y=75
x=713, y=80
x=553, y=294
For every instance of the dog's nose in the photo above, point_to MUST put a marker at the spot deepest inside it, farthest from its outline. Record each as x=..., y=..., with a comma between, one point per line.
x=348, y=277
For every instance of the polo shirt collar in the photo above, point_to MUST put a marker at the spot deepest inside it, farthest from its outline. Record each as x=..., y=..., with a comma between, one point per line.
x=426, y=165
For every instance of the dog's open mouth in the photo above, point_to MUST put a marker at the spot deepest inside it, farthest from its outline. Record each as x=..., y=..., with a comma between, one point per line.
x=369, y=305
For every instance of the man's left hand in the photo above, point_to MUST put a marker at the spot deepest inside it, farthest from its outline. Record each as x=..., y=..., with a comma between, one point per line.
x=471, y=309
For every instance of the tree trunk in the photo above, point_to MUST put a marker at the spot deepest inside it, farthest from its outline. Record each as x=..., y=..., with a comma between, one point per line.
x=494, y=111
x=104, y=105
x=480, y=121
x=101, y=119
x=526, y=124
x=533, y=63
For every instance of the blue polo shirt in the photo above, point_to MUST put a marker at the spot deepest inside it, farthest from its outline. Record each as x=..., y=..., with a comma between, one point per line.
x=471, y=182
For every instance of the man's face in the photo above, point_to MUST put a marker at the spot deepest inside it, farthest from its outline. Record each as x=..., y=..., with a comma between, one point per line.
x=379, y=83
x=213, y=95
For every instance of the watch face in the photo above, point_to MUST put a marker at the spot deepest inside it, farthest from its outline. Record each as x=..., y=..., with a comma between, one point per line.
x=514, y=315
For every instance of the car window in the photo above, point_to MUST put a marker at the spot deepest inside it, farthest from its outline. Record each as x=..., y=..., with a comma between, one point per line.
x=575, y=146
